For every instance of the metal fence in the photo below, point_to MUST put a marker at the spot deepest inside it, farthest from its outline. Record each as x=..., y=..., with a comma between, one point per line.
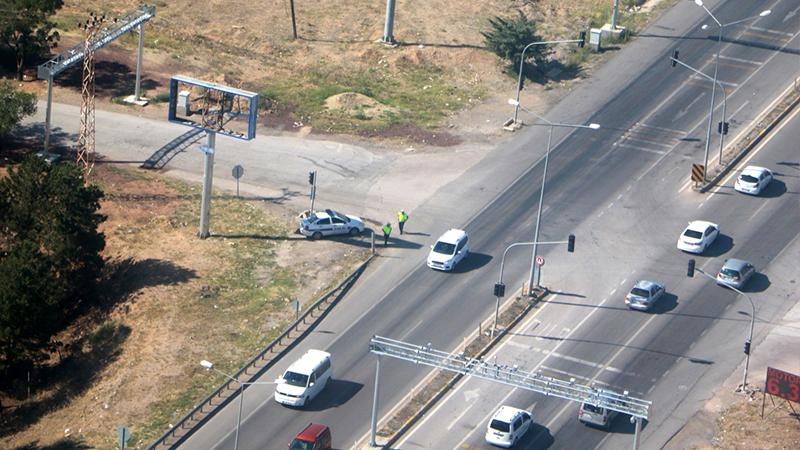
x=198, y=416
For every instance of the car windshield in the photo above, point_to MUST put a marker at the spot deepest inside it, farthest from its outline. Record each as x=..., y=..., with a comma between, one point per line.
x=730, y=273
x=499, y=425
x=592, y=408
x=748, y=178
x=639, y=292
x=297, y=444
x=295, y=379
x=693, y=234
x=444, y=248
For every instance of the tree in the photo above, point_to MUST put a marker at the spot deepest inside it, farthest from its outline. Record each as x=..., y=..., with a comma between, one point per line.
x=26, y=30
x=508, y=37
x=14, y=105
x=49, y=254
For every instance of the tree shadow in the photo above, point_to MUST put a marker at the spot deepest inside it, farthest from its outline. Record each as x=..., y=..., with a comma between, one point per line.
x=471, y=262
x=111, y=79
x=61, y=444
x=336, y=394
x=27, y=137
x=555, y=70
x=125, y=276
x=85, y=359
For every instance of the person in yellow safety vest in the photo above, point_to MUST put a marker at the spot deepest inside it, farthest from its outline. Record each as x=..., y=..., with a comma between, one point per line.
x=401, y=219
x=387, y=230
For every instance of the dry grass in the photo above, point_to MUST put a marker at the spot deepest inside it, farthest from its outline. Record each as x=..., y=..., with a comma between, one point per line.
x=171, y=300
x=741, y=426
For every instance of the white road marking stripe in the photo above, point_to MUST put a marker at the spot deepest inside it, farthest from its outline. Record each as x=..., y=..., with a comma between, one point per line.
x=767, y=30
x=650, y=142
x=623, y=281
x=668, y=130
x=518, y=345
x=746, y=61
x=613, y=291
x=459, y=416
x=755, y=214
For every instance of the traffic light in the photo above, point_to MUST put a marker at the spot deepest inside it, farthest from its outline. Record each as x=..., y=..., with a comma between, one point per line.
x=722, y=128
x=499, y=289
x=311, y=177
x=747, y=347
x=674, y=59
x=581, y=39
x=690, y=269
x=571, y=243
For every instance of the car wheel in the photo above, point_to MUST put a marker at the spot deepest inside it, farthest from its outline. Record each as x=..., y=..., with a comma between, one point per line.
x=316, y=236
x=354, y=232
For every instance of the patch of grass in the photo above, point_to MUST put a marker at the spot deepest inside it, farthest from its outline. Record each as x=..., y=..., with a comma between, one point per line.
x=421, y=95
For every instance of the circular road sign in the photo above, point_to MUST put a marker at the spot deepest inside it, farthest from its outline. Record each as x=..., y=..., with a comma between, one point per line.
x=540, y=260
x=238, y=171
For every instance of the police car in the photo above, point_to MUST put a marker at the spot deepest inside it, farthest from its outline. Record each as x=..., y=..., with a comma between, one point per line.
x=317, y=224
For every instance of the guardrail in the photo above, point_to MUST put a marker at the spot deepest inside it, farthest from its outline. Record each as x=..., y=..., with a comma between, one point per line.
x=198, y=416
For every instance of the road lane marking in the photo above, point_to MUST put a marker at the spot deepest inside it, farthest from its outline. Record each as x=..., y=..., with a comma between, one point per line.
x=685, y=185
x=611, y=360
x=755, y=214
x=767, y=30
x=623, y=281
x=642, y=149
x=466, y=410
x=613, y=291
x=741, y=60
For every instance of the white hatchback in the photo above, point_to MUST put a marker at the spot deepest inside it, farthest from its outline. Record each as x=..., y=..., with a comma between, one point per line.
x=449, y=250
x=753, y=180
x=698, y=236
x=507, y=426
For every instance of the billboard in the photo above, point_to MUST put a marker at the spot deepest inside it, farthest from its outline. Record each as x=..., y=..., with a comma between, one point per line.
x=783, y=384
x=213, y=107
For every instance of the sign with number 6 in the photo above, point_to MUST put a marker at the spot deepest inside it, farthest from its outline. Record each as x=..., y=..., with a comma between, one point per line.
x=783, y=384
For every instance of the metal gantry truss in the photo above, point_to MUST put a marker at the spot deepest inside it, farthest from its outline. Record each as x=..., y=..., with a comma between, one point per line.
x=102, y=38
x=510, y=375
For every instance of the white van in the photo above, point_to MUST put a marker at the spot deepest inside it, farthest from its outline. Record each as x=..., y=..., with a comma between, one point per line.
x=304, y=379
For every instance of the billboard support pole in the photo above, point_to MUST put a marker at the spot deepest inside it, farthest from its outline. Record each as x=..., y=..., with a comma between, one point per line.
x=208, y=175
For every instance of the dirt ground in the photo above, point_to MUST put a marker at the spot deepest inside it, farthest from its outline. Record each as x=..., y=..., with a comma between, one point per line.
x=135, y=357
x=134, y=360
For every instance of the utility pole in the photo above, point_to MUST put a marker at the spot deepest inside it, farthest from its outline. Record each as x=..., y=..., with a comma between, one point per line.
x=615, y=15
x=85, y=150
x=388, y=38
x=294, y=23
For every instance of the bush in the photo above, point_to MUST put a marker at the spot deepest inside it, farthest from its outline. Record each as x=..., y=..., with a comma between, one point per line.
x=509, y=37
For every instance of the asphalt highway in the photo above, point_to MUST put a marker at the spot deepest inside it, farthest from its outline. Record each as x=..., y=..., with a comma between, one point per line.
x=622, y=190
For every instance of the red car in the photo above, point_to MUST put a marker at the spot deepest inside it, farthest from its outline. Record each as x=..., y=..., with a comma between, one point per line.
x=314, y=437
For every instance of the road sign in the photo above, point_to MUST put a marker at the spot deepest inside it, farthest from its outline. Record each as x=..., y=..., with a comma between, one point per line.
x=783, y=384
x=540, y=260
x=698, y=172
x=238, y=171
x=124, y=436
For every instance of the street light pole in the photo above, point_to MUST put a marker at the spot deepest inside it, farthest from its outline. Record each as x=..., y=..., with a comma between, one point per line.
x=591, y=126
x=749, y=341
x=208, y=365
x=714, y=86
x=675, y=60
x=522, y=62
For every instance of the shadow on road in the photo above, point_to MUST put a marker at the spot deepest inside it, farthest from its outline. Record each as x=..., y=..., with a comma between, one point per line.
x=666, y=303
x=759, y=282
x=336, y=394
x=775, y=189
x=723, y=244
x=471, y=262
x=538, y=437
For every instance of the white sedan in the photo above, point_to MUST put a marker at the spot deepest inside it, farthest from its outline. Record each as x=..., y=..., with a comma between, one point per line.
x=317, y=224
x=753, y=180
x=698, y=236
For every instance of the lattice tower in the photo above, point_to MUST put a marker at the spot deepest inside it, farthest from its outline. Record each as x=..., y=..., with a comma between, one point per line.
x=85, y=150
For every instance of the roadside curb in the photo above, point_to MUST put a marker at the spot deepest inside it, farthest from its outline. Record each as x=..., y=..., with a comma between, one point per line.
x=532, y=302
x=792, y=95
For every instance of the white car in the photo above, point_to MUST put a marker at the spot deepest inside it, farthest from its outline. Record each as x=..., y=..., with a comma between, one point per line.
x=328, y=223
x=753, y=180
x=449, y=250
x=507, y=426
x=698, y=236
